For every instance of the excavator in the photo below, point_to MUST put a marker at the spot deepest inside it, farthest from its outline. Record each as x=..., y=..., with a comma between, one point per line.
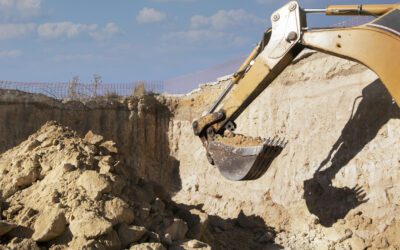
x=375, y=44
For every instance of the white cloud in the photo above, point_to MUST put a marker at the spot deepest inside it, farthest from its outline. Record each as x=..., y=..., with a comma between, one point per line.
x=68, y=30
x=150, y=15
x=20, y=9
x=10, y=53
x=215, y=29
x=64, y=30
x=223, y=19
x=13, y=31
x=76, y=57
x=20, y=4
x=109, y=31
x=204, y=37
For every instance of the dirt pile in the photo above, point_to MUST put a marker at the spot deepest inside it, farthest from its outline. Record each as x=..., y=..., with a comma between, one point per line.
x=59, y=191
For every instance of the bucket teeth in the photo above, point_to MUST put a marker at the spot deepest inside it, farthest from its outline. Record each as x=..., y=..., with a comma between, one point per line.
x=276, y=142
x=272, y=148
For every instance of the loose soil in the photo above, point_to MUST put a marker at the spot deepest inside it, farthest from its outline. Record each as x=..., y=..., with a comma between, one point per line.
x=238, y=140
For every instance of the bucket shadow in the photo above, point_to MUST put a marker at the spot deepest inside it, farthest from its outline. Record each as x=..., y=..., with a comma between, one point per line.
x=330, y=203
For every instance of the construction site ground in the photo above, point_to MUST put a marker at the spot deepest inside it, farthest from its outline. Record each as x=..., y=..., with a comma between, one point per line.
x=128, y=172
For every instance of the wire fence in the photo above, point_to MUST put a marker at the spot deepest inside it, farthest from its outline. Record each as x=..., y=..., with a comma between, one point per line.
x=177, y=85
x=77, y=90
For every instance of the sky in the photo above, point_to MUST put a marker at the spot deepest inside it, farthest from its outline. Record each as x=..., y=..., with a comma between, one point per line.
x=130, y=40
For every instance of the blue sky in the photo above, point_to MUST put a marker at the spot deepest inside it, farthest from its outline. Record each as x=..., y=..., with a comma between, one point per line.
x=129, y=40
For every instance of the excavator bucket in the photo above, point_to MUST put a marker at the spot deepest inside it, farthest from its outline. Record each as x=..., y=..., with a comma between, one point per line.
x=244, y=163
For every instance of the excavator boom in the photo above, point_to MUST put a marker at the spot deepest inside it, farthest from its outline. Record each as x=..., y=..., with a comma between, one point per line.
x=375, y=44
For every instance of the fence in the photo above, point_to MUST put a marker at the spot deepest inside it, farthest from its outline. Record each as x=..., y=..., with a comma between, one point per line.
x=80, y=90
x=178, y=85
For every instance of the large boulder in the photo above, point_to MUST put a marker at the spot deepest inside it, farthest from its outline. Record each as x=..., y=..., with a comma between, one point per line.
x=177, y=229
x=49, y=225
x=118, y=211
x=89, y=225
x=130, y=234
x=93, y=138
x=94, y=183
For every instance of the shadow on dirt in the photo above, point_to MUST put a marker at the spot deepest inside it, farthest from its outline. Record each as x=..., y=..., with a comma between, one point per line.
x=330, y=203
x=244, y=232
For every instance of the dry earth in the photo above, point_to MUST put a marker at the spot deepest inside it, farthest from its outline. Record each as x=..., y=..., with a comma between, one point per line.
x=334, y=186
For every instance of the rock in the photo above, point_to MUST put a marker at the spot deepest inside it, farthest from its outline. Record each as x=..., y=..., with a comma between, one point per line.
x=130, y=234
x=357, y=243
x=189, y=245
x=153, y=237
x=32, y=145
x=148, y=246
x=118, y=211
x=198, y=225
x=13, y=209
x=347, y=235
x=158, y=206
x=93, y=138
x=117, y=183
x=89, y=225
x=90, y=149
x=144, y=211
x=49, y=225
x=94, y=183
x=333, y=234
x=110, y=146
x=167, y=240
x=27, y=176
x=26, y=215
x=110, y=241
x=197, y=244
x=177, y=229
x=68, y=167
x=265, y=237
x=47, y=143
x=20, y=243
x=82, y=243
x=6, y=227
x=106, y=164
x=381, y=243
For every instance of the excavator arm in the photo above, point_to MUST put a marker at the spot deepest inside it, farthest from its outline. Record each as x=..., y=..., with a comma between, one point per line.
x=375, y=44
